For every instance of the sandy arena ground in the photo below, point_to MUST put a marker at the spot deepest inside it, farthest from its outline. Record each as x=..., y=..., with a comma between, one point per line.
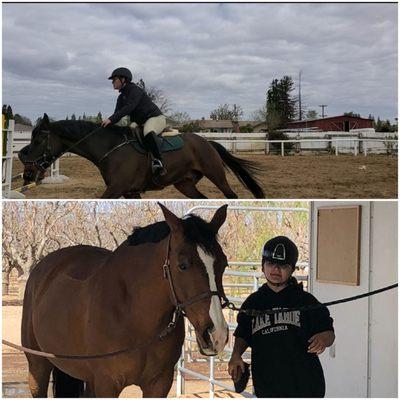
x=15, y=367
x=293, y=177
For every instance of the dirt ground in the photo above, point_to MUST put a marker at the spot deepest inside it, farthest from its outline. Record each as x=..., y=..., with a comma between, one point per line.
x=291, y=177
x=15, y=368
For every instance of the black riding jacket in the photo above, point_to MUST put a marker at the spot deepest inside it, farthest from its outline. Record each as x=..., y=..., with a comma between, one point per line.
x=133, y=101
x=281, y=366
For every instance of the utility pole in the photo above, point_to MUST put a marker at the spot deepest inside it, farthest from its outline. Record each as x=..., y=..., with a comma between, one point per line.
x=323, y=109
x=300, y=111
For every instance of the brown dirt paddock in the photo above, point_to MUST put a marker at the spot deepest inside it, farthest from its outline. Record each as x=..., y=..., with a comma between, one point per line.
x=291, y=177
x=15, y=368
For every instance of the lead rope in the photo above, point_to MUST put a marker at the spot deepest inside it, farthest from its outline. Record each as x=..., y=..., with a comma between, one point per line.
x=254, y=313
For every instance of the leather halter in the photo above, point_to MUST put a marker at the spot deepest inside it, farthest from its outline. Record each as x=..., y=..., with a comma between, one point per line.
x=180, y=306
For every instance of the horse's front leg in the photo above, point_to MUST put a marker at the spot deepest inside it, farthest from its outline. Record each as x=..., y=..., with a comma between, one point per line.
x=160, y=385
x=113, y=192
x=104, y=386
x=132, y=194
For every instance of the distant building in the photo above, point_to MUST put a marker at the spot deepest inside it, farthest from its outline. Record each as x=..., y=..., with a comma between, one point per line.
x=343, y=123
x=22, y=128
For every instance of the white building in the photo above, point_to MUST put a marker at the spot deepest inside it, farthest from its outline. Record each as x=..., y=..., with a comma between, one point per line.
x=363, y=360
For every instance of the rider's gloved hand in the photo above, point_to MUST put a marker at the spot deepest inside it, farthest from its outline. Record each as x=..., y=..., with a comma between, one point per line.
x=105, y=123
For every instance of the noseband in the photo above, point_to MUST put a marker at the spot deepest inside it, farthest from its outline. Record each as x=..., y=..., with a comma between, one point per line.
x=180, y=306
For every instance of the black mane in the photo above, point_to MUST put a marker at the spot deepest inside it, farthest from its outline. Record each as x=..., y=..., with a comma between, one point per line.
x=77, y=129
x=195, y=229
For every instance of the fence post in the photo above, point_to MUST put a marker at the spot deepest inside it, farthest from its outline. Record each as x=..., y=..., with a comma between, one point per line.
x=55, y=169
x=365, y=147
x=7, y=159
x=282, y=149
x=267, y=147
x=212, y=386
x=180, y=379
x=336, y=147
x=255, y=283
x=355, y=146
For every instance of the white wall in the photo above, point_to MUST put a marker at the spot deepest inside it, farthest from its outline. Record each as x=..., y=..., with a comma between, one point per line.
x=363, y=360
x=383, y=307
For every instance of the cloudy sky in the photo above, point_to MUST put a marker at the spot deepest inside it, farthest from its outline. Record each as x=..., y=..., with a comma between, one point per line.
x=56, y=57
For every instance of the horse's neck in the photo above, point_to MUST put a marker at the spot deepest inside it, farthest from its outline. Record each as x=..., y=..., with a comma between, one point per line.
x=92, y=146
x=133, y=285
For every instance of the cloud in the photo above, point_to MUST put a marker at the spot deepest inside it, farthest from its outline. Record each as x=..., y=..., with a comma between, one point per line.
x=56, y=57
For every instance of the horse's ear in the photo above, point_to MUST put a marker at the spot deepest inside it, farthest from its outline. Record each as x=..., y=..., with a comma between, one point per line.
x=171, y=219
x=45, y=120
x=219, y=217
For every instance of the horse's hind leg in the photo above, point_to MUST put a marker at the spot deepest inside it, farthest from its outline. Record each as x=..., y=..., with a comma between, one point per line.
x=189, y=189
x=39, y=375
x=217, y=176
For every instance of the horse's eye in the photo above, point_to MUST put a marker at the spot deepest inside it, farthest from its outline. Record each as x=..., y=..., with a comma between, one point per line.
x=183, y=265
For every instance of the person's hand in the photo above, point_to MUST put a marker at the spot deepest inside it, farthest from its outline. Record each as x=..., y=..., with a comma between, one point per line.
x=235, y=368
x=105, y=123
x=319, y=342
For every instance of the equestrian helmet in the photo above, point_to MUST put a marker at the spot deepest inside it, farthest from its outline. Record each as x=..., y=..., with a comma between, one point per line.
x=280, y=250
x=121, y=72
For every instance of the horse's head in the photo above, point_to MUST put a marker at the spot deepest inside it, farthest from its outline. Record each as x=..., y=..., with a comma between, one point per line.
x=197, y=263
x=41, y=151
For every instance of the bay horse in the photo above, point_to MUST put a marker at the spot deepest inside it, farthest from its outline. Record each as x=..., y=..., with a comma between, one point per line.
x=125, y=171
x=102, y=312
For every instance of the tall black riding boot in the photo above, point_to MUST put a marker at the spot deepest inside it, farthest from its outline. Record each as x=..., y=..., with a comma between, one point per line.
x=150, y=140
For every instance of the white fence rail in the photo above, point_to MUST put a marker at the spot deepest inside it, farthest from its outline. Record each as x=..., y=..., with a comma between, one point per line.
x=336, y=145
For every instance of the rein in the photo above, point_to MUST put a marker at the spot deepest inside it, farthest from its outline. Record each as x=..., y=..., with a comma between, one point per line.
x=177, y=314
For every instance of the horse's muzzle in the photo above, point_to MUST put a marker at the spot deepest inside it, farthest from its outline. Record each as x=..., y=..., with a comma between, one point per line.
x=211, y=342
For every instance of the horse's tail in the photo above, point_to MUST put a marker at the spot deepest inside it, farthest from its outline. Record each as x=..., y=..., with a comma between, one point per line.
x=65, y=385
x=243, y=169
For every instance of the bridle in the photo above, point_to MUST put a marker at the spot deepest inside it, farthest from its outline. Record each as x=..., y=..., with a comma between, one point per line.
x=180, y=306
x=44, y=161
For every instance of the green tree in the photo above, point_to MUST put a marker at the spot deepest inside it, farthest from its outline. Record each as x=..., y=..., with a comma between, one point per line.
x=190, y=127
x=20, y=119
x=352, y=114
x=312, y=114
x=281, y=104
x=73, y=117
x=99, y=117
x=246, y=129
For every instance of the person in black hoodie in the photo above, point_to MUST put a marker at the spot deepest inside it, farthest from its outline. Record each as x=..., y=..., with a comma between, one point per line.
x=134, y=101
x=285, y=346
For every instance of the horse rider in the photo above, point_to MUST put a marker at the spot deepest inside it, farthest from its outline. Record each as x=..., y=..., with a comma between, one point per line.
x=134, y=101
